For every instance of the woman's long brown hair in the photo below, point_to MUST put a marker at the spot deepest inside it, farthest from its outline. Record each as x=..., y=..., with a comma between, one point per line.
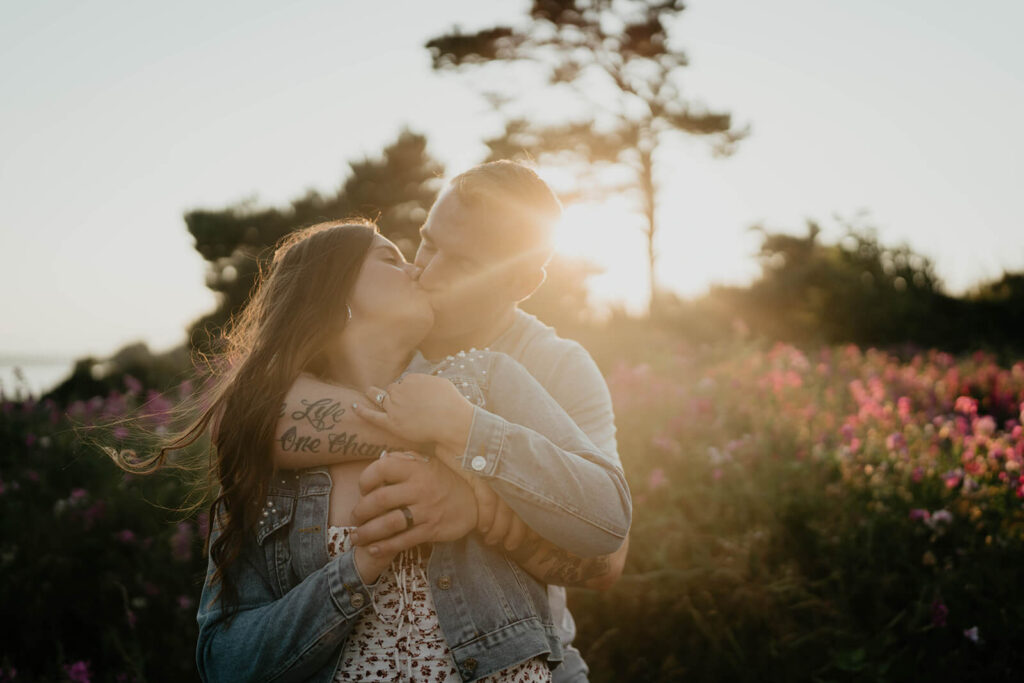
x=296, y=308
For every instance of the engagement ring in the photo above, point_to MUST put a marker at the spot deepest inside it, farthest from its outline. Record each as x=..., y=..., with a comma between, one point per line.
x=408, y=517
x=379, y=398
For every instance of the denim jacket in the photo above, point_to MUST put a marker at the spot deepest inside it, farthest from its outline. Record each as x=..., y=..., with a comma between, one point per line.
x=297, y=605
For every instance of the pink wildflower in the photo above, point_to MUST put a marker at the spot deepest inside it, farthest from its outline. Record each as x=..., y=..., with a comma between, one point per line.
x=944, y=516
x=78, y=672
x=896, y=441
x=903, y=408
x=125, y=536
x=985, y=426
x=939, y=612
x=185, y=602
x=133, y=385
x=971, y=634
x=917, y=475
x=665, y=443
x=78, y=494
x=966, y=405
x=94, y=512
x=120, y=433
x=919, y=514
x=30, y=439
x=657, y=479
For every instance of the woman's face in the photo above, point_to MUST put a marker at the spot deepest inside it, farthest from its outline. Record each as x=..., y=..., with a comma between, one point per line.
x=386, y=293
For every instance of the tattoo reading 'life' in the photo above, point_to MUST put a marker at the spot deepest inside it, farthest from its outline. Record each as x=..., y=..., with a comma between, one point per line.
x=322, y=414
x=344, y=443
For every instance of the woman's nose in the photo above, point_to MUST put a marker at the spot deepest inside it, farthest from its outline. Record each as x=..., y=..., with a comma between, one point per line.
x=414, y=271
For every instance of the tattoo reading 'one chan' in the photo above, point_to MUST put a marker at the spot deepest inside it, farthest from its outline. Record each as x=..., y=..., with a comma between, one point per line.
x=344, y=443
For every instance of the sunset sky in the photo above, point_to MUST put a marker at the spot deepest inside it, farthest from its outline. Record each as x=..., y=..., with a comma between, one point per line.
x=117, y=117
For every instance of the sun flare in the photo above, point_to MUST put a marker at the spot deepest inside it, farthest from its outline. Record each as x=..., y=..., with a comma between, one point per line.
x=607, y=234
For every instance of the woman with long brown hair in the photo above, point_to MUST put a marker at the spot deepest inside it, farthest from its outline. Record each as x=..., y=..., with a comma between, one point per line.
x=286, y=594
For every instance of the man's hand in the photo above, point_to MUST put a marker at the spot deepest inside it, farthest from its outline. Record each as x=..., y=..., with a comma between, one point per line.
x=442, y=503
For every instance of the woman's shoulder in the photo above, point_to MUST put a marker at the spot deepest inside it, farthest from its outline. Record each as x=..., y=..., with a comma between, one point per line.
x=474, y=362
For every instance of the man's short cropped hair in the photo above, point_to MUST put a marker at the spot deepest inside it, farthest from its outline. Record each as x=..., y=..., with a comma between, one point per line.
x=513, y=201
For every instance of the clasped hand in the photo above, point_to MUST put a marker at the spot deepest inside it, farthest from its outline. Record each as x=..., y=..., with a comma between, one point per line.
x=443, y=505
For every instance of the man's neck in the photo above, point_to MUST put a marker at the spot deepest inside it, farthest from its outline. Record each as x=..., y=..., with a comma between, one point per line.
x=436, y=346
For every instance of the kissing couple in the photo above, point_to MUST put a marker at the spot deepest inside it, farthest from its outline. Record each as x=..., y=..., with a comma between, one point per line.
x=410, y=469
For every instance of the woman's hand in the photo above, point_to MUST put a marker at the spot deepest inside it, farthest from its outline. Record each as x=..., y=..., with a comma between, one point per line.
x=371, y=564
x=421, y=408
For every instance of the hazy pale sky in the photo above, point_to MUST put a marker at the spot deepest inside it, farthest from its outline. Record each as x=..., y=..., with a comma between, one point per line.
x=117, y=117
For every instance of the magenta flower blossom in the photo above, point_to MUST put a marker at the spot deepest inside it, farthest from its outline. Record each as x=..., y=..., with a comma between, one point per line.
x=185, y=602
x=78, y=672
x=125, y=536
x=939, y=612
x=920, y=514
x=133, y=385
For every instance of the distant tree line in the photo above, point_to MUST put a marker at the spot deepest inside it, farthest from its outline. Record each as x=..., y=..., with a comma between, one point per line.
x=810, y=292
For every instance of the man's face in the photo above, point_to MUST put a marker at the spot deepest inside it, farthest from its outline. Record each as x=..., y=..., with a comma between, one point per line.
x=462, y=267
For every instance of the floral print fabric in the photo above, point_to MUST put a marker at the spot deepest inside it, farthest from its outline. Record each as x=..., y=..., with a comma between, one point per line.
x=400, y=639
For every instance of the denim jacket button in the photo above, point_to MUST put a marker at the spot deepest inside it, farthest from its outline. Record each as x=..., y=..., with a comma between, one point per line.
x=444, y=582
x=478, y=463
x=357, y=600
x=470, y=665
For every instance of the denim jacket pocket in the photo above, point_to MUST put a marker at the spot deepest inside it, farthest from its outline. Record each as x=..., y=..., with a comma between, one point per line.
x=277, y=513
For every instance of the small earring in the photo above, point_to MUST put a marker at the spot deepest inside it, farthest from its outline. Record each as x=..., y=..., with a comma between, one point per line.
x=348, y=310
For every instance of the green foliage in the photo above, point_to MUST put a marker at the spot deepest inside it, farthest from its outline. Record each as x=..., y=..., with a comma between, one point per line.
x=855, y=290
x=395, y=189
x=98, y=570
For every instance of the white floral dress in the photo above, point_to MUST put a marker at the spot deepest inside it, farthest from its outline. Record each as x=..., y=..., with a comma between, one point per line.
x=400, y=639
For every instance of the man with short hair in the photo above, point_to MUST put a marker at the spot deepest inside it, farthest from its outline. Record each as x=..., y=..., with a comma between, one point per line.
x=484, y=246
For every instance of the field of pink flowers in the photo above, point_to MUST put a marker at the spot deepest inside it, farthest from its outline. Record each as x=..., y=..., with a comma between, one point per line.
x=841, y=514
x=828, y=515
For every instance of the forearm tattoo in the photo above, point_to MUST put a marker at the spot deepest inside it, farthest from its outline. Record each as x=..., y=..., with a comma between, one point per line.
x=559, y=567
x=323, y=415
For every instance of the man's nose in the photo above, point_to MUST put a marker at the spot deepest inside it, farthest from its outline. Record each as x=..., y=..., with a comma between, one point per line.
x=416, y=271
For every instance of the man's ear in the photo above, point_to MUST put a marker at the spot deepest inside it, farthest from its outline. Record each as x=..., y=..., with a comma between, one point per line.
x=527, y=281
